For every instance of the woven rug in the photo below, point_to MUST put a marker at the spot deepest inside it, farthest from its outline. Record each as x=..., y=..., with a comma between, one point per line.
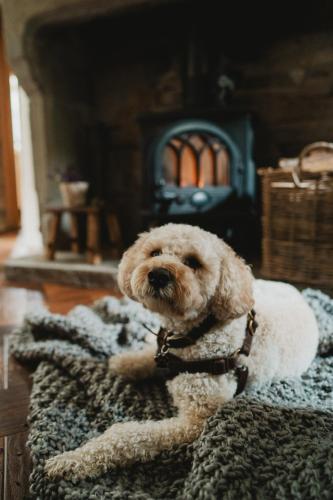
x=276, y=442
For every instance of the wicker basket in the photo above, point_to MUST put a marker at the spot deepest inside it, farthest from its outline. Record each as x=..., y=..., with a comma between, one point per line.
x=298, y=222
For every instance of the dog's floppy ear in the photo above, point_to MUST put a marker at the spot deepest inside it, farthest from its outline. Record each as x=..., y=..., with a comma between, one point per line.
x=233, y=296
x=127, y=265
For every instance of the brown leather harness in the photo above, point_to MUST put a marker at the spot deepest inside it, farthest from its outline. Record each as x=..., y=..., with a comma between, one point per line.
x=173, y=365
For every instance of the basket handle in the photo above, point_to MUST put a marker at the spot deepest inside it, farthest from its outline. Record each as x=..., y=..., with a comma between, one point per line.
x=297, y=171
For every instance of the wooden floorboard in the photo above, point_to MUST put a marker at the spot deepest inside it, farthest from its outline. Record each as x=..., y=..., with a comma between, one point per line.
x=2, y=468
x=18, y=466
x=60, y=299
x=13, y=410
x=14, y=389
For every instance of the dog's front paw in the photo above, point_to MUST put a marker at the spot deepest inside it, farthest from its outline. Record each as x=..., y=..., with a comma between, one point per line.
x=70, y=464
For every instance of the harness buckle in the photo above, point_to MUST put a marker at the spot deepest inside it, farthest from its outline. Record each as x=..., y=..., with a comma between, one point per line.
x=164, y=349
x=252, y=323
x=236, y=353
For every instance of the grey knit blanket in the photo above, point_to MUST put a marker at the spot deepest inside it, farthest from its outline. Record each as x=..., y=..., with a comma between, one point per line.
x=272, y=443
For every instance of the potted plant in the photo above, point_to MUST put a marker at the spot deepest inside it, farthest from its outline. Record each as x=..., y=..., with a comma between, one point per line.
x=73, y=187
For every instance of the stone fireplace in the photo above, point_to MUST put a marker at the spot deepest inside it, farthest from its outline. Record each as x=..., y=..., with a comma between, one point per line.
x=99, y=71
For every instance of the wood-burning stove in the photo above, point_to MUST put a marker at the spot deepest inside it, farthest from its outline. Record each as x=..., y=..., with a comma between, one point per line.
x=196, y=171
x=195, y=166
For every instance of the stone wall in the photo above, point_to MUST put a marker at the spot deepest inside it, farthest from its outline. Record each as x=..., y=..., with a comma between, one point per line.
x=95, y=86
x=289, y=87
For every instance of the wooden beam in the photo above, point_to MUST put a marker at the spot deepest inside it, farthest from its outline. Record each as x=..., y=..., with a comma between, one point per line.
x=7, y=162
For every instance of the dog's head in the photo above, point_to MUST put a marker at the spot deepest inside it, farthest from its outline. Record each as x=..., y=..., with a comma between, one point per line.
x=181, y=271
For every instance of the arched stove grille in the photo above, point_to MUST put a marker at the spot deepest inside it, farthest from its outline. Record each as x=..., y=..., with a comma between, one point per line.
x=193, y=166
x=196, y=160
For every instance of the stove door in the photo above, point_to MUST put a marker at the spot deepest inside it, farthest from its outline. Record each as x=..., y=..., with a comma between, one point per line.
x=196, y=166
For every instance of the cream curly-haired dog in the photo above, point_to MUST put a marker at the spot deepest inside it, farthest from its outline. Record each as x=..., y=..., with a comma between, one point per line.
x=204, y=293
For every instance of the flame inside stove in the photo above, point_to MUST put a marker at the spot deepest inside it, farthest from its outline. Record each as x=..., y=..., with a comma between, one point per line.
x=188, y=168
x=196, y=163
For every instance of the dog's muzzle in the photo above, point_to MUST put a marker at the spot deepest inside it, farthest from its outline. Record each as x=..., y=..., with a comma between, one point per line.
x=159, y=277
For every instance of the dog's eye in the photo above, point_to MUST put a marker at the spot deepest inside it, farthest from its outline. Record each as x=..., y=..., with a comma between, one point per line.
x=192, y=262
x=156, y=253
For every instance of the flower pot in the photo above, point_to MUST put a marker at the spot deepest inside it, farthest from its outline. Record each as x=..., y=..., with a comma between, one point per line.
x=74, y=194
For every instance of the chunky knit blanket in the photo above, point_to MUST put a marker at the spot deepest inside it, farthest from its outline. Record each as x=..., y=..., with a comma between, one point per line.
x=272, y=443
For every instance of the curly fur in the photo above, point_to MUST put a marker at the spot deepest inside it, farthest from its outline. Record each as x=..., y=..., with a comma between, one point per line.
x=284, y=345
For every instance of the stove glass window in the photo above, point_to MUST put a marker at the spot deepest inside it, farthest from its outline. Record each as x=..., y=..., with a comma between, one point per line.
x=196, y=160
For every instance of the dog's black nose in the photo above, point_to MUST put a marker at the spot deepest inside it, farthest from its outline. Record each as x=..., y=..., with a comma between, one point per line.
x=159, y=277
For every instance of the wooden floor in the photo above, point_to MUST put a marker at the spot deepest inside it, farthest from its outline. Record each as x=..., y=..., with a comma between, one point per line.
x=15, y=381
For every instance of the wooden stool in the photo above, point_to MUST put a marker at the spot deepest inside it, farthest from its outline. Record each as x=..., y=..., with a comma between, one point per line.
x=93, y=245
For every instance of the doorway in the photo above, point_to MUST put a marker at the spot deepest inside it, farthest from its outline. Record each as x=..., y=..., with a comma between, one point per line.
x=19, y=211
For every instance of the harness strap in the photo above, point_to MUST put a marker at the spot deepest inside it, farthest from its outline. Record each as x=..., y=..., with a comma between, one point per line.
x=176, y=341
x=218, y=366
